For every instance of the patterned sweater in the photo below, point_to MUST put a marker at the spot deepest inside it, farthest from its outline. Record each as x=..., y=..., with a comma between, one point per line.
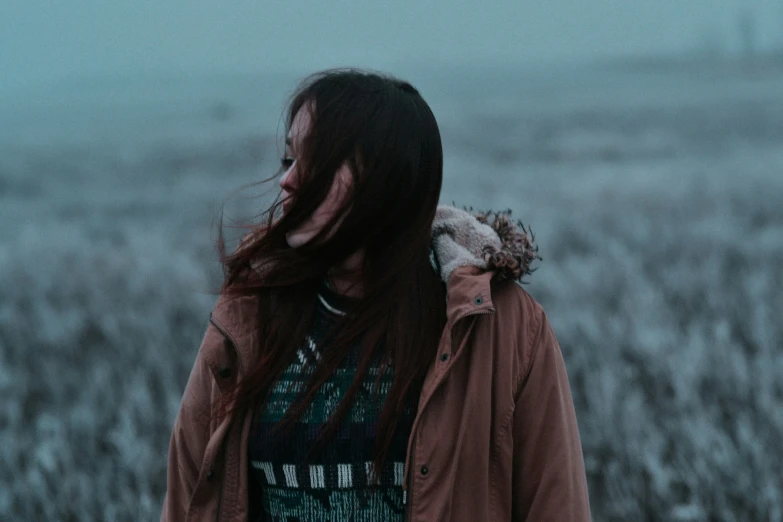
x=334, y=484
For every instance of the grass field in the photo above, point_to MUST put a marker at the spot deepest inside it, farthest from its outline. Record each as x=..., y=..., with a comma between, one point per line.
x=657, y=207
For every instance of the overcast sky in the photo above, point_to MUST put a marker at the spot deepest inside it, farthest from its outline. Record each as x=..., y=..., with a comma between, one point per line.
x=42, y=40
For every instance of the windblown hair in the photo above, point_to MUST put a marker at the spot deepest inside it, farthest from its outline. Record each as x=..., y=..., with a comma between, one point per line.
x=384, y=131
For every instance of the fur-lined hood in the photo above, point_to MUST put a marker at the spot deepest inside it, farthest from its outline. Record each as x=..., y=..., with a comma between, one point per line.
x=488, y=240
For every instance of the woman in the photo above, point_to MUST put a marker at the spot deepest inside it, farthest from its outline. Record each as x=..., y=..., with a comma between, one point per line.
x=370, y=356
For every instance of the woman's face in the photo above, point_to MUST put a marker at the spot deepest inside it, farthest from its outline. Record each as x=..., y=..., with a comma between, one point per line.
x=289, y=182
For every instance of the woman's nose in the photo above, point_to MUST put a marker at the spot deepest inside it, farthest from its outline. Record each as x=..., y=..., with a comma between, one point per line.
x=287, y=181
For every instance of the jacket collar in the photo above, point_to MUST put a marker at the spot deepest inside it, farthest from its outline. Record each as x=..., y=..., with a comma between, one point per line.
x=468, y=251
x=468, y=291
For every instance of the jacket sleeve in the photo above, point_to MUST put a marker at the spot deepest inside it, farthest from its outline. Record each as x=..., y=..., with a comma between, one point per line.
x=189, y=436
x=549, y=478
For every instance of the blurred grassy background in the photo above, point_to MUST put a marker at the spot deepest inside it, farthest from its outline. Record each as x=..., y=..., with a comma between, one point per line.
x=655, y=195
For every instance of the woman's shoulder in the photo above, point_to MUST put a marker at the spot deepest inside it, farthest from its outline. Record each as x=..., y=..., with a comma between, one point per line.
x=236, y=313
x=519, y=321
x=514, y=305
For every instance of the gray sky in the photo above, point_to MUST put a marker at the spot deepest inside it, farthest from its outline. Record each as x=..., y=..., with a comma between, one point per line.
x=41, y=40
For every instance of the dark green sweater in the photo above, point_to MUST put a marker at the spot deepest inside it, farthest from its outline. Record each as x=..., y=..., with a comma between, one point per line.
x=334, y=485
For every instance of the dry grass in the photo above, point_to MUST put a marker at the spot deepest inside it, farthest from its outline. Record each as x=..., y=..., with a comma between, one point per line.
x=662, y=277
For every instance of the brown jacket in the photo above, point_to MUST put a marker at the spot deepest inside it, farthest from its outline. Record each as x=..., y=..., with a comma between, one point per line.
x=495, y=437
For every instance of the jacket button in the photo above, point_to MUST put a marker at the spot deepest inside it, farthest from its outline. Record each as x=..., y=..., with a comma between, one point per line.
x=224, y=372
x=444, y=357
x=424, y=470
x=478, y=300
x=210, y=474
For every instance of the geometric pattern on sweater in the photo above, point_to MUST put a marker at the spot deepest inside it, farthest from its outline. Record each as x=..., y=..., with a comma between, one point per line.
x=334, y=484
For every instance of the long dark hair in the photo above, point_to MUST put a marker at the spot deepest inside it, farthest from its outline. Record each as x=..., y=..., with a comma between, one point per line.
x=384, y=131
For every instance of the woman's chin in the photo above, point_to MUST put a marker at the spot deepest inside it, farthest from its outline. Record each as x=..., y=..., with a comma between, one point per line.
x=295, y=240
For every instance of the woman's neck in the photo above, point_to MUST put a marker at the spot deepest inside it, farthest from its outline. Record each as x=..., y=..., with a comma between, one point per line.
x=348, y=285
